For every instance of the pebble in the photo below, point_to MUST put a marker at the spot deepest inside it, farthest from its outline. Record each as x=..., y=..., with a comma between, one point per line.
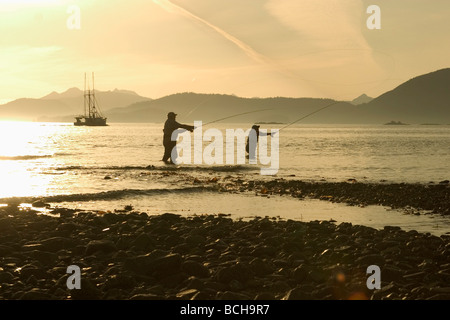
x=261, y=259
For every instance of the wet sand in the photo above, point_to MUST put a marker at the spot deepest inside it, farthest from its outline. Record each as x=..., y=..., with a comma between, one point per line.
x=135, y=255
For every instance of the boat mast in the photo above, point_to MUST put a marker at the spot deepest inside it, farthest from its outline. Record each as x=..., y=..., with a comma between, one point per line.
x=94, y=111
x=85, y=95
x=89, y=94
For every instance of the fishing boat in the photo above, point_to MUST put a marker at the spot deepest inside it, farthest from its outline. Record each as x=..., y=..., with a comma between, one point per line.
x=92, y=115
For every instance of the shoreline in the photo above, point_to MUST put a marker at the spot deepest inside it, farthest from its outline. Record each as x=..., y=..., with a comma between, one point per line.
x=135, y=255
x=415, y=197
x=433, y=198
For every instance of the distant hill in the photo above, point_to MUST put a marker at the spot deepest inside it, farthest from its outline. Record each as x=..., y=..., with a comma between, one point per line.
x=361, y=99
x=228, y=108
x=63, y=106
x=423, y=99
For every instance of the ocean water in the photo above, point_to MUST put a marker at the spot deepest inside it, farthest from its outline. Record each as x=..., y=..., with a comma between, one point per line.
x=107, y=168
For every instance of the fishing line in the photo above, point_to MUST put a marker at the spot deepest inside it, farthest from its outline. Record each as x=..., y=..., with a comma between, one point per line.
x=286, y=126
x=309, y=114
x=236, y=115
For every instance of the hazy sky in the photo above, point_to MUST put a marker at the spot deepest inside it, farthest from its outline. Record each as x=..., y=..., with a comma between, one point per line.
x=295, y=48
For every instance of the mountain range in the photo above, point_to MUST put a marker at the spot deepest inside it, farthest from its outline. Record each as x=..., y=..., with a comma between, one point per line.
x=64, y=106
x=423, y=99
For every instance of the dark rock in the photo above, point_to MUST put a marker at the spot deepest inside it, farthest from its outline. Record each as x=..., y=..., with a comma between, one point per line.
x=5, y=225
x=40, y=204
x=370, y=259
x=56, y=243
x=392, y=296
x=297, y=294
x=260, y=267
x=187, y=294
x=36, y=294
x=64, y=213
x=318, y=275
x=215, y=286
x=195, y=239
x=120, y=281
x=32, y=246
x=415, y=275
x=392, y=228
x=105, y=246
x=194, y=283
x=440, y=296
x=195, y=268
x=146, y=296
x=182, y=248
x=384, y=291
x=391, y=273
x=142, y=264
x=5, y=250
x=88, y=291
x=440, y=290
x=265, y=296
x=388, y=244
x=173, y=280
x=235, y=285
x=68, y=227
x=204, y=295
x=170, y=217
x=238, y=272
x=143, y=242
x=31, y=270
x=300, y=273
x=323, y=293
x=228, y=295
x=44, y=257
x=172, y=239
x=6, y=277
x=280, y=286
x=264, y=251
x=166, y=265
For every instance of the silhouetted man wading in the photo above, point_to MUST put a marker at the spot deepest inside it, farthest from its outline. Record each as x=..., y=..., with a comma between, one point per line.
x=169, y=127
x=252, y=142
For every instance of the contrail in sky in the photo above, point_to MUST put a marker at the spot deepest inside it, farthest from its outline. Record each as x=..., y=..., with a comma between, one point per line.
x=249, y=51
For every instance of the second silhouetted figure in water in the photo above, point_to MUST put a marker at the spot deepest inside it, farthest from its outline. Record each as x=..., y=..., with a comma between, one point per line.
x=169, y=127
x=251, y=144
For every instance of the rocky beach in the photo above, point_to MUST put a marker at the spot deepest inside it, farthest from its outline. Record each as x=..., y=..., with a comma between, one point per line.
x=125, y=254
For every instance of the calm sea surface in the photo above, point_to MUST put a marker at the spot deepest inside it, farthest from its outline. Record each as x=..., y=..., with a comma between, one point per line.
x=108, y=167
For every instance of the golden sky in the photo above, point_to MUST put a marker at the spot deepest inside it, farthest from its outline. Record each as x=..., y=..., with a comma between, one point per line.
x=295, y=48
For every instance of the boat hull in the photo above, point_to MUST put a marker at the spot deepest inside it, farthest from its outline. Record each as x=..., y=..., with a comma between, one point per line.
x=91, y=122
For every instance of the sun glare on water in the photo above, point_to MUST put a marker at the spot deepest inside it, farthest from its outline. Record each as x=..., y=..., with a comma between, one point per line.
x=14, y=142
x=17, y=148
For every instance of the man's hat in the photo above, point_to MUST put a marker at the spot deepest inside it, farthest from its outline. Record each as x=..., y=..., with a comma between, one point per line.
x=255, y=126
x=171, y=114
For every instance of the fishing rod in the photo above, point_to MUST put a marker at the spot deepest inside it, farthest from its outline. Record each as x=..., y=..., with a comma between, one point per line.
x=237, y=115
x=309, y=114
x=261, y=110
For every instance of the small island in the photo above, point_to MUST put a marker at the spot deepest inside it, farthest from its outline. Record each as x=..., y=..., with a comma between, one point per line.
x=395, y=123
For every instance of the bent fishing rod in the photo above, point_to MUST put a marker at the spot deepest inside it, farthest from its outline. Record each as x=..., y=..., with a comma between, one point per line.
x=286, y=126
x=309, y=114
x=237, y=115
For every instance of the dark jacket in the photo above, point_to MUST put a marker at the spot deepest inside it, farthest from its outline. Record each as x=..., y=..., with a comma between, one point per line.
x=170, y=126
